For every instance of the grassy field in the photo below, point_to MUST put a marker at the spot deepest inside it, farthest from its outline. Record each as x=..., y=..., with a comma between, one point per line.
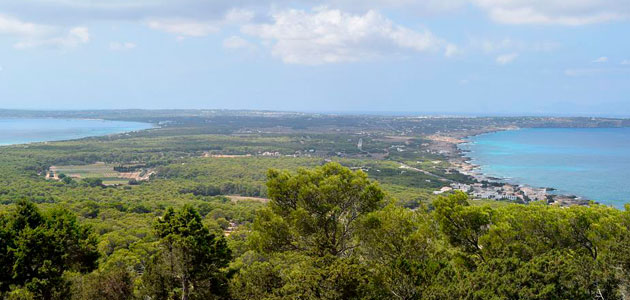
x=98, y=170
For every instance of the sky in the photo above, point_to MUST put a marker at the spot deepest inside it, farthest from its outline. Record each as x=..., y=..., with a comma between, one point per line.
x=477, y=57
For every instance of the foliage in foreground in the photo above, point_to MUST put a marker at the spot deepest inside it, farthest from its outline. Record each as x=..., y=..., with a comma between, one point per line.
x=329, y=233
x=454, y=251
x=189, y=260
x=37, y=249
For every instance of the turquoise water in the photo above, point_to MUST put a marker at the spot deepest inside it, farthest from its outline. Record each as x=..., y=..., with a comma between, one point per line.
x=593, y=163
x=20, y=131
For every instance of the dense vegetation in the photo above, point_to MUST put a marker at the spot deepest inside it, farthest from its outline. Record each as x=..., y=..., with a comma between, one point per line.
x=330, y=233
x=37, y=250
x=331, y=220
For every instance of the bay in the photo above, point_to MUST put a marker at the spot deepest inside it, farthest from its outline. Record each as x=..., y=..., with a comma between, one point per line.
x=593, y=163
x=21, y=131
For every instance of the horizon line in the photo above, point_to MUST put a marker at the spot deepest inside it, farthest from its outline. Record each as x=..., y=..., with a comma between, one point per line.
x=393, y=113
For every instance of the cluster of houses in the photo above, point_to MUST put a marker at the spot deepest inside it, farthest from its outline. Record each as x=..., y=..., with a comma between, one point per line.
x=399, y=148
x=497, y=191
x=268, y=153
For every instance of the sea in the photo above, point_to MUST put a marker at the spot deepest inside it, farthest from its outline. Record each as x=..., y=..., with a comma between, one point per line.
x=592, y=163
x=22, y=131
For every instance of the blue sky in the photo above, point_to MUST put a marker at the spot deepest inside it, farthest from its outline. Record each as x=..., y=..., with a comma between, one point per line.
x=563, y=57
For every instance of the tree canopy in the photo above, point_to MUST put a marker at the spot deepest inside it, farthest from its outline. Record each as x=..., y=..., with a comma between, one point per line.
x=326, y=233
x=36, y=250
x=190, y=260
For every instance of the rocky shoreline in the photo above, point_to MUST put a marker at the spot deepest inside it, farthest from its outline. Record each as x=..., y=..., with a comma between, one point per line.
x=489, y=187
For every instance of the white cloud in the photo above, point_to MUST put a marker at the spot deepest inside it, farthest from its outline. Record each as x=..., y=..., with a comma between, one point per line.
x=506, y=58
x=330, y=36
x=13, y=26
x=562, y=12
x=79, y=34
x=508, y=44
x=506, y=50
x=74, y=37
x=140, y=10
x=237, y=42
x=31, y=35
x=238, y=16
x=422, y=7
x=625, y=62
x=451, y=50
x=121, y=46
x=600, y=60
x=184, y=27
x=200, y=28
x=492, y=46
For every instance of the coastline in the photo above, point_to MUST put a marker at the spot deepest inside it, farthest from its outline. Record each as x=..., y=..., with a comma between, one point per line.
x=109, y=131
x=491, y=187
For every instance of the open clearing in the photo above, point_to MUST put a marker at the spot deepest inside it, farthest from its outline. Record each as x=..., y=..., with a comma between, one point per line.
x=236, y=198
x=97, y=170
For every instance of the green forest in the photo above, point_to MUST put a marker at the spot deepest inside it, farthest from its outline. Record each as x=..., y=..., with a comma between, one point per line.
x=326, y=233
x=290, y=207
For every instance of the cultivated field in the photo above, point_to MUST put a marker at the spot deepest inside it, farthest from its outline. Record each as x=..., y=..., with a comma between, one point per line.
x=97, y=170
